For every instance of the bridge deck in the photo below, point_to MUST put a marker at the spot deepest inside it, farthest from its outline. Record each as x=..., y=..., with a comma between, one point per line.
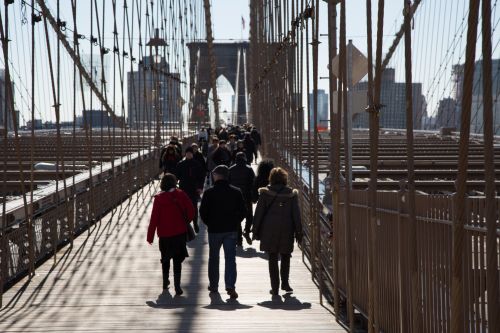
x=111, y=281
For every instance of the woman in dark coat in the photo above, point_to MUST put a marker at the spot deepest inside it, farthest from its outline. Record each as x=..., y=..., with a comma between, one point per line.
x=262, y=178
x=172, y=211
x=276, y=224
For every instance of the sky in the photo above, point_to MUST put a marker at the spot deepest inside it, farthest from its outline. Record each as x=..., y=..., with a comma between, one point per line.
x=438, y=43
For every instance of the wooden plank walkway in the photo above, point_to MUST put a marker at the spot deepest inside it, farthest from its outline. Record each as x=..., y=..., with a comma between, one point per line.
x=111, y=281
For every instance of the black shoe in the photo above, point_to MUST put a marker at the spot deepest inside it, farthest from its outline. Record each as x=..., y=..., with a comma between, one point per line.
x=232, y=293
x=248, y=238
x=213, y=289
x=274, y=292
x=178, y=291
x=286, y=287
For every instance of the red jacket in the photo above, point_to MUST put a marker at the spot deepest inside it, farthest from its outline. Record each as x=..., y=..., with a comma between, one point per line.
x=167, y=219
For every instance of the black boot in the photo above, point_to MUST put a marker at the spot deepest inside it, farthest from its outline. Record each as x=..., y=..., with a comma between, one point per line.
x=177, y=277
x=285, y=273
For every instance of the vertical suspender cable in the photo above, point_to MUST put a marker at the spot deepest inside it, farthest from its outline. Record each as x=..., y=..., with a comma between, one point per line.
x=460, y=209
x=492, y=282
x=347, y=203
x=335, y=148
x=413, y=254
x=374, y=123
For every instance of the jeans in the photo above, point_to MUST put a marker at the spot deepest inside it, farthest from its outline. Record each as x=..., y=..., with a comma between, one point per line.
x=228, y=241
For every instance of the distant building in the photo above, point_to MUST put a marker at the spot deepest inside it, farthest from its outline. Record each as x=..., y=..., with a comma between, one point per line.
x=3, y=110
x=393, y=97
x=323, y=110
x=100, y=119
x=37, y=124
x=477, y=122
x=447, y=114
x=148, y=89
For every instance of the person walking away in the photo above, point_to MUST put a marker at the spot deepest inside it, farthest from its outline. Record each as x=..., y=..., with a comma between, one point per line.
x=241, y=175
x=172, y=210
x=232, y=143
x=262, y=178
x=240, y=148
x=222, y=209
x=254, y=133
x=191, y=180
x=170, y=158
x=198, y=156
x=276, y=224
x=249, y=148
x=221, y=155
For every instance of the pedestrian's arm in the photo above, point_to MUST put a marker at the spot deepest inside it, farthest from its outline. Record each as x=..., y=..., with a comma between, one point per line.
x=153, y=222
x=296, y=217
x=188, y=206
x=242, y=207
x=204, y=208
x=257, y=219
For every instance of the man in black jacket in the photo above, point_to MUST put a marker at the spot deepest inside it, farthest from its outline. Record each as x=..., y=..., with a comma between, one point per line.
x=222, y=209
x=241, y=175
x=191, y=180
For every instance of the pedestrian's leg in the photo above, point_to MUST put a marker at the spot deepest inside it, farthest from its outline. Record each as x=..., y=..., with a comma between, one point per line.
x=230, y=273
x=249, y=217
x=214, y=243
x=240, y=236
x=285, y=272
x=274, y=273
x=195, y=219
x=177, y=275
x=165, y=264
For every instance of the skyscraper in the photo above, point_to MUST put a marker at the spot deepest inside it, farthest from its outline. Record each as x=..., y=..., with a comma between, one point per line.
x=393, y=98
x=323, y=114
x=151, y=90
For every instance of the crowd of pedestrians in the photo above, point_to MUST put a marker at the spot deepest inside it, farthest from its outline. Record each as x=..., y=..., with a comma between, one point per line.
x=218, y=169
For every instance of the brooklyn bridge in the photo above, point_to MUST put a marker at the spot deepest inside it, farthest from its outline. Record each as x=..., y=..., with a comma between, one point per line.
x=385, y=115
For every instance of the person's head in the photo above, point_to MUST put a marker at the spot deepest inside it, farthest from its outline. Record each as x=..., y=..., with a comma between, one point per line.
x=195, y=147
x=173, y=139
x=215, y=140
x=264, y=169
x=189, y=153
x=241, y=158
x=220, y=172
x=278, y=176
x=241, y=144
x=222, y=143
x=232, y=138
x=168, y=182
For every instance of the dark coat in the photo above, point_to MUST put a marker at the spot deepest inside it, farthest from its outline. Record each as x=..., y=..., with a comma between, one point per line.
x=277, y=229
x=255, y=137
x=169, y=159
x=221, y=156
x=250, y=149
x=191, y=177
x=258, y=182
x=222, y=208
x=198, y=156
x=241, y=175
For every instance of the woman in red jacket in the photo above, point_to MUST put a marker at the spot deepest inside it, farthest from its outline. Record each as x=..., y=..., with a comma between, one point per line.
x=172, y=211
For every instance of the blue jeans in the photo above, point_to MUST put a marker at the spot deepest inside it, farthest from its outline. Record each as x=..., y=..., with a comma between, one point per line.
x=228, y=241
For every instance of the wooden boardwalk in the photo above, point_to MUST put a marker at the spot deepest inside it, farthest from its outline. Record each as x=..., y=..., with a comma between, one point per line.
x=111, y=281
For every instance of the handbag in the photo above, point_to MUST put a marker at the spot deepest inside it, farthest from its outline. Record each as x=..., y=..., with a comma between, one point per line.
x=190, y=235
